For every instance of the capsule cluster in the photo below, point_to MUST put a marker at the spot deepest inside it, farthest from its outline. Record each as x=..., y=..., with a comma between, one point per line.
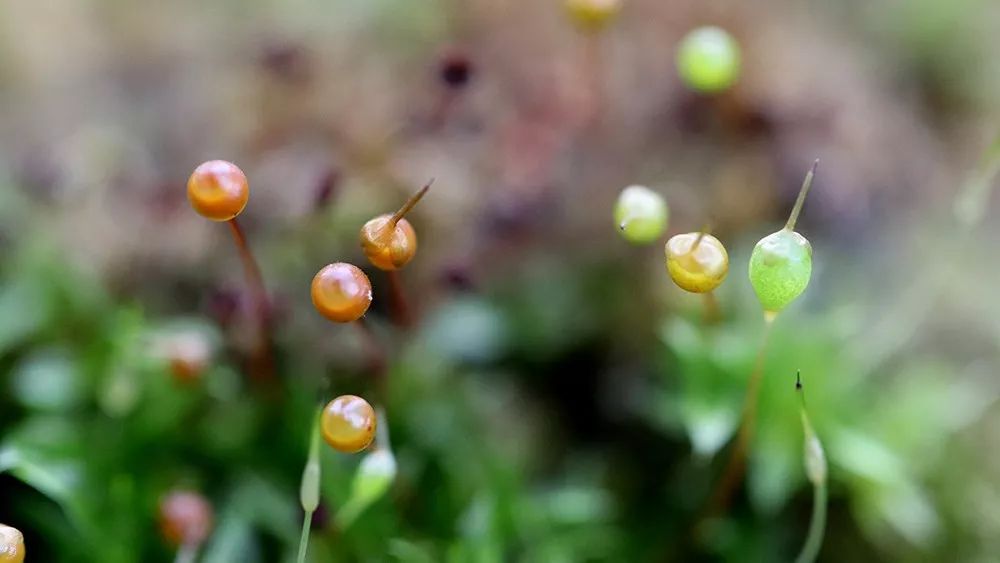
x=342, y=293
x=780, y=265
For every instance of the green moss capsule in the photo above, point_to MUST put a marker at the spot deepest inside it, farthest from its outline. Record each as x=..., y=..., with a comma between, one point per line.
x=708, y=59
x=781, y=263
x=641, y=214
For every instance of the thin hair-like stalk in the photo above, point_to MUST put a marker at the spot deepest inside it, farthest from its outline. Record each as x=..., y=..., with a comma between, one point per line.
x=800, y=201
x=735, y=466
x=263, y=358
x=410, y=203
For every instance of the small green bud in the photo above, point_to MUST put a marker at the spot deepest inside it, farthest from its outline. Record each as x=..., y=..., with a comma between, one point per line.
x=815, y=458
x=812, y=453
x=708, y=59
x=309, y=489
x=641, y=214
x=780, y=268
x=375, y=475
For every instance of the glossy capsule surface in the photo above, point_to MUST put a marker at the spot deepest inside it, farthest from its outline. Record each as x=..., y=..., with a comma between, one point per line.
x=218, y=190
x=780, y=269
x=388, y=246
x=186, y=518
x=348, y=424
x=341, y=292
x=700, y=270
x=11, y=545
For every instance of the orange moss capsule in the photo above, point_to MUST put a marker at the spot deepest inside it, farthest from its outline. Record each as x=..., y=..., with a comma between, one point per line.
x=11, y=545
x=341, y=292
x=389, y=240
x=186, y=518
x=348, y=424
x=218, y=190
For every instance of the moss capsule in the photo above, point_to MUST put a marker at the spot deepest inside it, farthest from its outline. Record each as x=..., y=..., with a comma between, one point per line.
x=708, y=59
x=186, y=518
x=341, y=292
x=592, y=15
x=218, y=190
x=348, y=424
x=641, y=214
x=11, y=545
x=781, y=263
x=389, y=240
x=697, y=262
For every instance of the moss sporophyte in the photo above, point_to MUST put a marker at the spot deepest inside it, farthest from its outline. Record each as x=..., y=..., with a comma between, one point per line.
x=218, y=190
x=641, y=215
x=779, y=271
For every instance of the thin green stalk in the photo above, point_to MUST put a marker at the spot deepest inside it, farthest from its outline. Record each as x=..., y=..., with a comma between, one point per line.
x=735, y=466
x=304, y=539
x=817, y=525
x=309, y=491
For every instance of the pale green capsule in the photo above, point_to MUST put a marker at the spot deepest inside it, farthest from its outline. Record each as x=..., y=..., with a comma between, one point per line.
x=780, y=268
x=708, y=59
x=781, y=263
x=641, y=214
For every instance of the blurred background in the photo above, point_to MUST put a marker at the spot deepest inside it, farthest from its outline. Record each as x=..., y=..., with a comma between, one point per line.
x=557, y=397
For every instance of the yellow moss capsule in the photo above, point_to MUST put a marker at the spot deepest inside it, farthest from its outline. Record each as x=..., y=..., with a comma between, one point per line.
x=11, y=545
x=389, y=240
x=698, y=269
x=592, y=15
x=348, y=424
x=218, y=190
x=186, y=518
x=341, y=292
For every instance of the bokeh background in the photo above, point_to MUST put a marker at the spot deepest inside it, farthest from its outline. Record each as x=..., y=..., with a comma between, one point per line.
x=558, y=399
